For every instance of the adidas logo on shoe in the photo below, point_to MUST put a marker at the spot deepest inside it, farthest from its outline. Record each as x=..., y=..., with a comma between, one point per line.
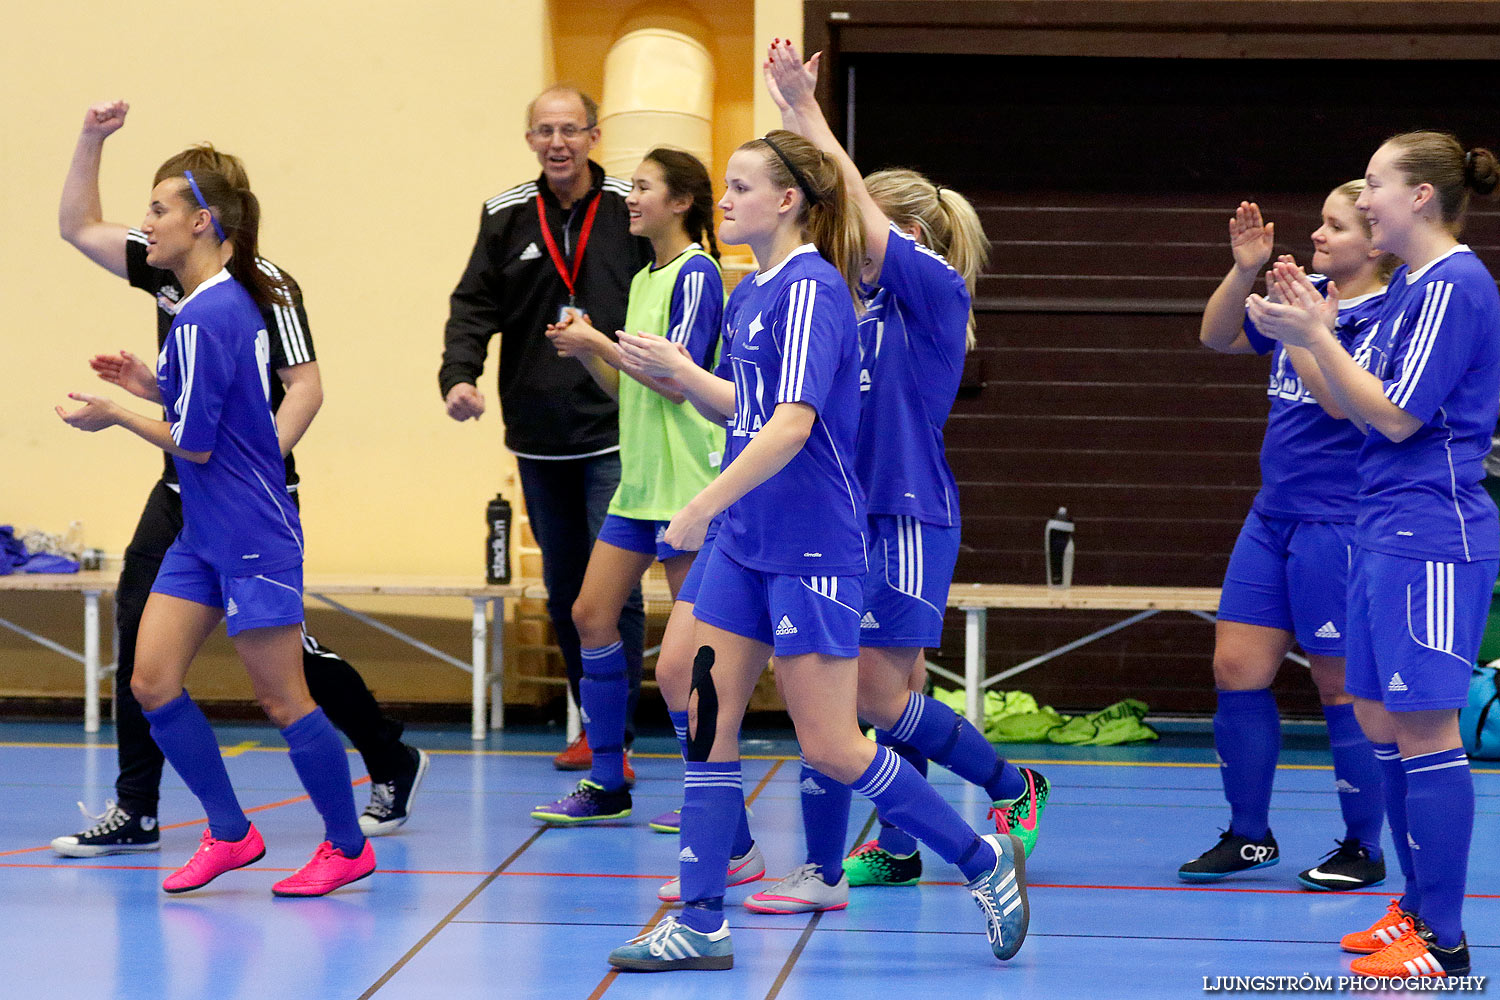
x=868, y=621
x=530, y=253
x=1396, y=684
x=785, y=627
x=811, y=787
x=687, y=855
x=1327, y=631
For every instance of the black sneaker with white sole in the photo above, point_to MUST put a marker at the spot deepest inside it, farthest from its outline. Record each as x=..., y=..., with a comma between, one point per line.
x=1345, y=868
x=390, y=801
x=114, y=832
x=1231, y=855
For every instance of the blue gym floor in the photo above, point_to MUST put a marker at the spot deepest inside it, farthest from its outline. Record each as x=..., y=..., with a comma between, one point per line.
x=474, y=899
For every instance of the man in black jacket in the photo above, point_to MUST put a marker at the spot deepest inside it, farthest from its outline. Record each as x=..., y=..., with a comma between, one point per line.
x=556, y=243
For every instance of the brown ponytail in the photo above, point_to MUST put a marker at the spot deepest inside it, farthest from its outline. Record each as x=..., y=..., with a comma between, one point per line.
x=238, y=211
x=1437, y=158
x=829, y=218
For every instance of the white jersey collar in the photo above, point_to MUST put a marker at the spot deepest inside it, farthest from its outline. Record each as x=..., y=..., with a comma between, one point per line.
x=765, y=276
x=1413, y=277
x=217, y=279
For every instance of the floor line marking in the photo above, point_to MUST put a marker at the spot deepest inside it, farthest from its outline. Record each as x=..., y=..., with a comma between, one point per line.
x=448, y=918
x=241, y=747
x=791, y=960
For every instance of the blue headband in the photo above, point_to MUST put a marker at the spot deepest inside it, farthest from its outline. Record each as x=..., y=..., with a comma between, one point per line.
x=203, y=204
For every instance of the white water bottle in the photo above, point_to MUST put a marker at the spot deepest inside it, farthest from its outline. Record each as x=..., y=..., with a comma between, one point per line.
x=1058, y=547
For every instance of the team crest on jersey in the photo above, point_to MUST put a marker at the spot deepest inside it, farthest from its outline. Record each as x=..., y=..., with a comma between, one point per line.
x=167, y=297
x=755, y=327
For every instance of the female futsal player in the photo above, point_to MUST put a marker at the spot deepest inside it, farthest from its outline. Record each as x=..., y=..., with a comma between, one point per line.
x=916, y=327
x=1288, y=576
x=668, y=452
x=239, y=555
x=788, y=565
x=1427, y=537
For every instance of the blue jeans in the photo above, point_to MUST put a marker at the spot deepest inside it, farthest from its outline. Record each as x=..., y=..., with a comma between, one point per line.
x=566, y=501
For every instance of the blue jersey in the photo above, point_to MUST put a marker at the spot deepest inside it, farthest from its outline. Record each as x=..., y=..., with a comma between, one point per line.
x=215, y=385
x=1307, y=459
x=1437, y=350
x=791, y=337
x=912, y=339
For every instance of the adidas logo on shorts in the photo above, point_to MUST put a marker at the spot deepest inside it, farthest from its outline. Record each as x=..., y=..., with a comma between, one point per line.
x=811, y=787
x=687, y=855
x=785, y=627
x=233, y=608
x=868, y=621
x=1396, y=684
x=1327, y=631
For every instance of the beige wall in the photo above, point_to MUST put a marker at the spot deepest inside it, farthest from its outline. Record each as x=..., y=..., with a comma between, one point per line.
x=373, y=134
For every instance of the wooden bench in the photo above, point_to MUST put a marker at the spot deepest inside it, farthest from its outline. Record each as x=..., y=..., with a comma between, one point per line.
x=484, y=663
x=485, y=655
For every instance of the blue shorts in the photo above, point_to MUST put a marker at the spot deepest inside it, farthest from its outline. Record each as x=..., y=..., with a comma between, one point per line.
x=261, y=601
x=634, y=534
x=1414, y=629
x=1291, y=575
x=906, y=589
x=791, y=614
x=688, y=592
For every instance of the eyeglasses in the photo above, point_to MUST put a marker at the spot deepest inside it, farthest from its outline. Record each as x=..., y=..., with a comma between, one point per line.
x=546, y=132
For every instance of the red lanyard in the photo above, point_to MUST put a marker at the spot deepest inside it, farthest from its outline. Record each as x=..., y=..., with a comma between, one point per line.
x=569, y=278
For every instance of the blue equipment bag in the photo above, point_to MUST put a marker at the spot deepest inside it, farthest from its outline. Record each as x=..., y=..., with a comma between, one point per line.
x=1479, y=720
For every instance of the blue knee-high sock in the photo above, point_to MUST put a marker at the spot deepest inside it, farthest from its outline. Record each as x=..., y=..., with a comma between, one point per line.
x=825, y=821
x=1247, y=736
x=187, y=740
x=1393, y=784
x=1357, y=777
x=952, y=741
x=318, y=755
x=603, y=692
x=893, y=839
x=1440, y=816
x=711, y=794
x=742, y=839
x=899, y=792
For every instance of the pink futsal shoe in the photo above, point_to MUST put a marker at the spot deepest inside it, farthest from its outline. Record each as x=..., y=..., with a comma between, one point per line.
x=327, y=870
x=215, y=857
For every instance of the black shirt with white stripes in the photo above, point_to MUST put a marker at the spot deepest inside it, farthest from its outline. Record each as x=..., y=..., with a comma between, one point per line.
x=551, y=406
x=291, y=338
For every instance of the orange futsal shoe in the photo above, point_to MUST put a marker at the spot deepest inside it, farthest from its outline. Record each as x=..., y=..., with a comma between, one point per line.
x=1384, y=932
x=578, y=757
x=1415, y=954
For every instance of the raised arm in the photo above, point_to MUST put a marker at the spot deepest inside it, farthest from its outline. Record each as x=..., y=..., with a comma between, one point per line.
x=1250, y=241
x=790, y=83
x=80, y=217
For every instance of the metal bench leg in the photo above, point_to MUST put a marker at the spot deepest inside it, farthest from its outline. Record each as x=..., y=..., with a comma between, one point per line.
x=480, y=654
x=497, y=663
x=91, y=661
x=975, y=622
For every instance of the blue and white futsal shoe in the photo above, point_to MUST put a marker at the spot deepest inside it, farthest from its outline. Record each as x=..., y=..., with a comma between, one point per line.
x=1001, y=895
x=674, y=945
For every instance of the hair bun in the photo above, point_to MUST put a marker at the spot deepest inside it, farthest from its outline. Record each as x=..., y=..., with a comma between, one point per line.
x=1481, y=170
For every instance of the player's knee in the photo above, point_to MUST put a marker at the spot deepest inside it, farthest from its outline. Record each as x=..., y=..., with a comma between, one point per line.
x=1235, y=671
x=594, y=623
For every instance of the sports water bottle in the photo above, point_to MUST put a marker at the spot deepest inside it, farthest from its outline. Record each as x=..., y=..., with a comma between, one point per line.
x=497, y=546
x=1058, y=545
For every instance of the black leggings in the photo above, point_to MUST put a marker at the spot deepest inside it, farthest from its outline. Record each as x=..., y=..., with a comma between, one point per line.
x=334, y=684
